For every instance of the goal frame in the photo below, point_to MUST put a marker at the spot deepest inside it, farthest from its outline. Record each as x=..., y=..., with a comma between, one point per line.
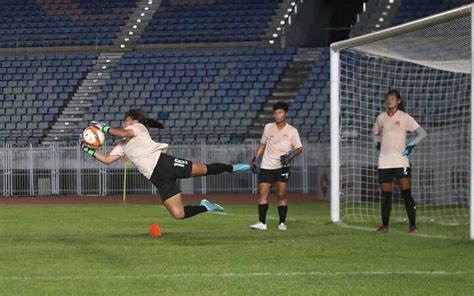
x=335, y=48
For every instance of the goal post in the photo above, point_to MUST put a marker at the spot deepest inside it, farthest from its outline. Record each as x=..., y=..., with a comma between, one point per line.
x=430, y=62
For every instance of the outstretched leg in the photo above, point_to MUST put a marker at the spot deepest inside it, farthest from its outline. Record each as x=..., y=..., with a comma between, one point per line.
x=200, y=169
x=175, y=207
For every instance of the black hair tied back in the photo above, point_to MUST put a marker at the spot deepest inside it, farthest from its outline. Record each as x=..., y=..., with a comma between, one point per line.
x=141, y=117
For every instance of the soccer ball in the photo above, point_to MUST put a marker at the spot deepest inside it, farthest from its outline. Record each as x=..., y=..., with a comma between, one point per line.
x=93, y=137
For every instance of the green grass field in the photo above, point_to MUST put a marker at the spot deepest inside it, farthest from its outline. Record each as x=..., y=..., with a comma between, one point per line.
x=105, y=249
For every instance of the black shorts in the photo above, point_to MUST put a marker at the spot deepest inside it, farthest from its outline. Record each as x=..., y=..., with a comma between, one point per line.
x=387, y=175
x=271, y=176
x=167, y=171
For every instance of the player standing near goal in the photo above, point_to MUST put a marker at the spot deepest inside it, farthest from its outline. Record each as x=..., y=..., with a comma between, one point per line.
x=390, y=130
x=280, y=143
x=161, y=169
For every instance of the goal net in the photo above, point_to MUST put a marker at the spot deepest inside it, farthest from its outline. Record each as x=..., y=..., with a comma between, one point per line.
x=429, y=62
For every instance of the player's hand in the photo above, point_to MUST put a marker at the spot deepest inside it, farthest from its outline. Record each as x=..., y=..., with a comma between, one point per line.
x=90, y=151
x=409, y=148
x=101, y=125
x=285, y=159
x=254, y=165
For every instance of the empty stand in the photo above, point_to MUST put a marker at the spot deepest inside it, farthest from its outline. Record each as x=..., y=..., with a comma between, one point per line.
x=209, y=21
x=415, y=9
x=310, y=109
x=286, y=88
x=30, y=23
x=210, y=95
x=34, y=89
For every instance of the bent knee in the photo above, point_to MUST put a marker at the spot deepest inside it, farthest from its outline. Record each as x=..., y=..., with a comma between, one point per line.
x=177, y=214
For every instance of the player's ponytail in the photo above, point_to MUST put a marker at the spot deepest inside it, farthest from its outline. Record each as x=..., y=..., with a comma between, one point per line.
x=394, y=92
x=140, y=116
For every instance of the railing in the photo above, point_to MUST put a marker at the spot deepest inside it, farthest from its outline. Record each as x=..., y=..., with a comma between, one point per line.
x=66, y=170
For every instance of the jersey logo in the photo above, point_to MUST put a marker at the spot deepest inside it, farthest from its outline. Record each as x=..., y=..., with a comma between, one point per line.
x=397, y=123
x=285, y=136
x=180, y=162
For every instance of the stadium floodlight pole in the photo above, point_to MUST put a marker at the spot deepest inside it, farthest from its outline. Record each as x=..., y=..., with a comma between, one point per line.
x=335, y=165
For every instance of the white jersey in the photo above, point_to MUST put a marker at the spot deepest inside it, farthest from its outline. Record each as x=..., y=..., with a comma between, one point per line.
x=392, y=131
x=278, y=142
x=141, y=149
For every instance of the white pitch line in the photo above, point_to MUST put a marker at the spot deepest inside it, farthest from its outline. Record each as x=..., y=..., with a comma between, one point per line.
x=415, y=235
x=232, y=274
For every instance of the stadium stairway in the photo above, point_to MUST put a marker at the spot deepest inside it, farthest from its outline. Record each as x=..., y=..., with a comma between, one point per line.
x=82, y=99
x=135, y=24
x=377, y=16
x=285, y=90
x=277, y=17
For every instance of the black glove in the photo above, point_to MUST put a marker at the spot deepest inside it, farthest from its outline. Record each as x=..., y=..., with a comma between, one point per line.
x=254, y=165
x=285, y=159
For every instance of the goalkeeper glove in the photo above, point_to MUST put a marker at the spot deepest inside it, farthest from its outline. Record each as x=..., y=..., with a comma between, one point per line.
x=254, y=165
x=90, y=151
x=409, y=148
x=104, y=127
x=285, y=159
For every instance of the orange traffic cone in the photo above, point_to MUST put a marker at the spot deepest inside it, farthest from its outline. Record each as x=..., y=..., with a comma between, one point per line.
x=155, y=230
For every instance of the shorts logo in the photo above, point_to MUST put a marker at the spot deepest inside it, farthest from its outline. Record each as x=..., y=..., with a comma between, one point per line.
x=285, y=175
x=180, y=162
x=405, y=171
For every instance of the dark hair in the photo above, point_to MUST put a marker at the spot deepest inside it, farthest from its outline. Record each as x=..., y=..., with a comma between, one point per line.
x=141, y=117
x=394, y=92
x=281, y=105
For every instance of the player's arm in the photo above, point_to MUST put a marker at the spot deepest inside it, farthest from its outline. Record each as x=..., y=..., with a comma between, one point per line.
x=420, y=135
x=260, y=150
x=104, y=158
x=285, y=159
x=257, y=157
x=298, y=151
x=413, y=126
x=376, y=134
x=117, y=132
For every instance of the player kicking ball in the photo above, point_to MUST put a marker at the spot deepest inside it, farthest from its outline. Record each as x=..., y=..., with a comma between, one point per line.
x=390, y=130
x=160, y=168
x=280, y=143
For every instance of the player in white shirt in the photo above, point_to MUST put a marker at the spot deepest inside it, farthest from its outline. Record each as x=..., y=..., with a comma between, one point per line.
x=390, y=130
x=280, y=143
x=161, y=169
